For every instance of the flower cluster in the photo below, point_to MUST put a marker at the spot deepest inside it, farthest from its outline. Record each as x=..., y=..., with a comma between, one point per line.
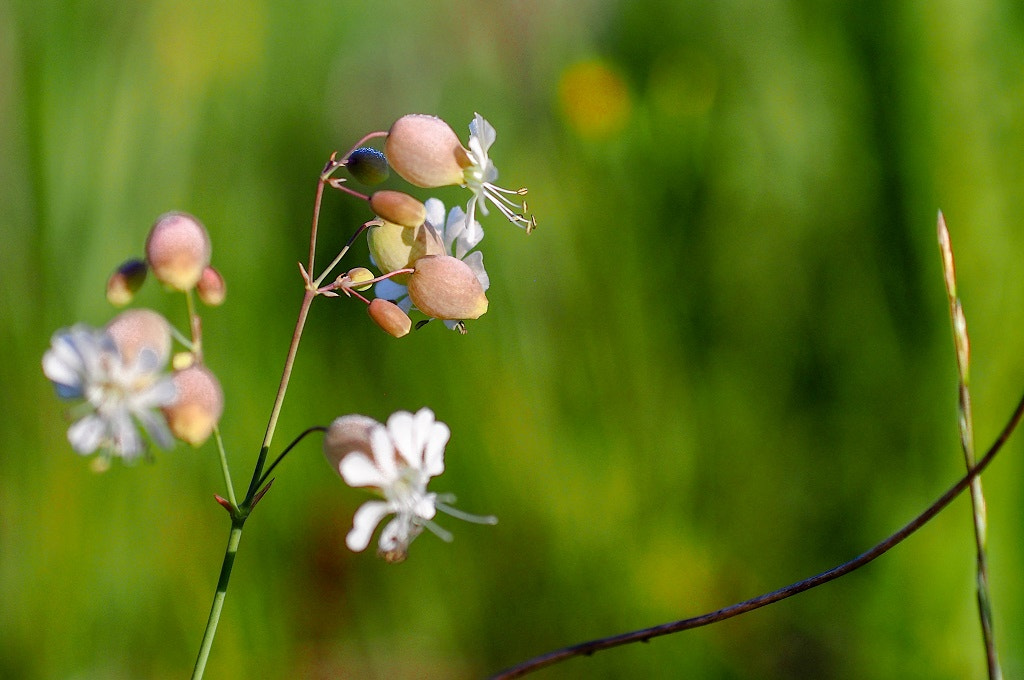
x=120, y=373
x=396, y=460
x=459, y=236
x=424, y=257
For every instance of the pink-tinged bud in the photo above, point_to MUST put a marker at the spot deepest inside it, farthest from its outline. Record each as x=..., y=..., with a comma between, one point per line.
x=211, y=288
x=425, y=151
x=178, y=250
x=126, y=281
x=398, y=207
x=135, y=329
x=444, y=287
x=390, y=317
x=396, y=247
x=198, y=407
x=346, y=435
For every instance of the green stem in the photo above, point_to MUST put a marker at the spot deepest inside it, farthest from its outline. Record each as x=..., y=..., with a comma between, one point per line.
x=218, y=598
x=225, y=470
x=241, y=512
x=275, y=413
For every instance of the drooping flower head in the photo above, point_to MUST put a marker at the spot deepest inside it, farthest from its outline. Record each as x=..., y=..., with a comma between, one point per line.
x=87, y=363
x=425, y=151
x=397, y=461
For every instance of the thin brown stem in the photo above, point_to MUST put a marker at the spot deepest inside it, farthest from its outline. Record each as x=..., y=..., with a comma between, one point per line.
x=645, y=634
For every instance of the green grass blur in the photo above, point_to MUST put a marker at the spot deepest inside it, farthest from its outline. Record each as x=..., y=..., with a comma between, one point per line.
x=722, y=363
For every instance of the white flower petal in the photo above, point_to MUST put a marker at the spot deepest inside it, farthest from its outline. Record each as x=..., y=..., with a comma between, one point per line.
x=435, y=212
x=127, y=440
x=470, y=236
x=401, y=429
x=87, y=434
x=453, y=228
x=358, y=470
x=475, y=260
x=483, y=131
x=161, y=393
x=156, y=427
x=425, y=507
x=383, y=449
x=398, y=534
x=423, y=429
x=366, y=519
x=433, y=455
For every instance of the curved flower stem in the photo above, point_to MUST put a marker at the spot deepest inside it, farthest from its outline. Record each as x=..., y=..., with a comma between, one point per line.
x=645, y=634
x=270, y=468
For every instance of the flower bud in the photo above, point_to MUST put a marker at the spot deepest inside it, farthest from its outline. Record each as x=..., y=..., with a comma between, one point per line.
x=357, y=275
x=211, y=287
x=346, y=435
x=182, y=360
x=444, y=287
x=178, y=250
x=367, y=165
x=126, y=281
x=398, y=207
x=390, y=317
x=198, y=407
x=136, y=329
x=396, y=247
x=425, y=151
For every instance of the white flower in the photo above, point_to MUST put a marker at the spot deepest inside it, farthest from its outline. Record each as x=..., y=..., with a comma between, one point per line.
x=85, y=363
x=398, y=461
x=460, y=236
x=479, y=177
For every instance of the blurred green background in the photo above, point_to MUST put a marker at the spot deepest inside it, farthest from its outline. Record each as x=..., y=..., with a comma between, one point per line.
x=721, y=364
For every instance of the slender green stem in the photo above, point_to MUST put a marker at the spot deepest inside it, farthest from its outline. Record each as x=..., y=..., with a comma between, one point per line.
x=218, y=598
x=282, y=390
x=225, y=470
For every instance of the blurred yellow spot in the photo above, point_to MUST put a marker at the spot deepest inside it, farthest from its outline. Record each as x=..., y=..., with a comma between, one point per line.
x=594, y=99
x=200, y=45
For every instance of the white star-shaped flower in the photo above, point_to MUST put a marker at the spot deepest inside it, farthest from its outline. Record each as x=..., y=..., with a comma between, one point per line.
x=85, y=363
x=480, y=176
x=397, y=461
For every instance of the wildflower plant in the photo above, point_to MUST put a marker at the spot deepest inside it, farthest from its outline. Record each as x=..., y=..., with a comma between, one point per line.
x=132, y=392
x=139, y=382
